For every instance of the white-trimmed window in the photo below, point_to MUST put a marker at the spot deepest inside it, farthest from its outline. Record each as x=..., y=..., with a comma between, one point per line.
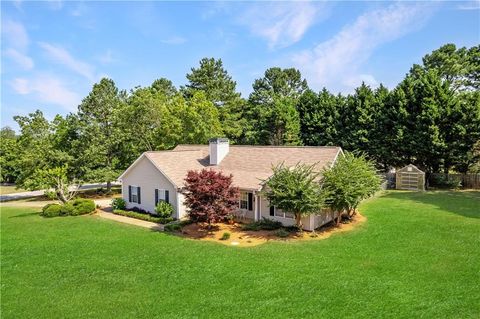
x=162, y=195
x=246, y=200
x=243, y=200
x=134, y=194
x=278, y=213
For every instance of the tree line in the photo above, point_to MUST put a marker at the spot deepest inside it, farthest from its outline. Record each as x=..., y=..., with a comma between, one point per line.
x=431, y=119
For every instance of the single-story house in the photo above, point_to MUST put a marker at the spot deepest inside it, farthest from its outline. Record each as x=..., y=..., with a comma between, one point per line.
x=156, y=176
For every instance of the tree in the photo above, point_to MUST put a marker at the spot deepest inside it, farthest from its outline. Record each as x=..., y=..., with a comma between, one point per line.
x=220, y=89
x=350, y=180
x=278, y=82
x=8, y=155
x=56, y=178
x=295, y=190
x=210, y=196
x=460, y=67
x=43, y=164
x=100, y=133
x=319, y=117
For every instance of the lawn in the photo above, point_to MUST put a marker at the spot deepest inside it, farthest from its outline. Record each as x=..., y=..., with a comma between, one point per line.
x=10, y=189
x=417, y=255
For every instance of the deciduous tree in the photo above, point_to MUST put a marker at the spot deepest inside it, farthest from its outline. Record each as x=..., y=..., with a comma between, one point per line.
x=295, y=190
x=210, y=196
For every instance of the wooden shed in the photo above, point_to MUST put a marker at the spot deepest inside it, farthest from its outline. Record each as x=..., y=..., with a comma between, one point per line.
x=411, y=178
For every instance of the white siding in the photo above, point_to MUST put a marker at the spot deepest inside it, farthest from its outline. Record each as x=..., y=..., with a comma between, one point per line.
x=265, y=212
x=146, y=176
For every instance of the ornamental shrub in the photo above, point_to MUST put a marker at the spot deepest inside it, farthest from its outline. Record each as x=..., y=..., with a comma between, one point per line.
x=119, y=203
x=51, y=210
x=225, y=236
x=82, y=206
x=164, y=209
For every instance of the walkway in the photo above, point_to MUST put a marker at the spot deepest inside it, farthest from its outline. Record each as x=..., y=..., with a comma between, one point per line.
x=131, y=221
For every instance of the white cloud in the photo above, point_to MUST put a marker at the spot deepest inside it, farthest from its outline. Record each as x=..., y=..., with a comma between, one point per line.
x=470, y=5
x=336, y=62
x=55, y=4
x=107, y=57
x=15, y=34
x=174, y=40
x=20, y=86
x=21, y=59
x=48, y=89
x=61, y=56
x=282, y=23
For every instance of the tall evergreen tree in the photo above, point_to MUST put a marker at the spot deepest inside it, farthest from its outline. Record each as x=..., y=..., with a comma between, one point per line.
x=100, y=134
x=220, y=89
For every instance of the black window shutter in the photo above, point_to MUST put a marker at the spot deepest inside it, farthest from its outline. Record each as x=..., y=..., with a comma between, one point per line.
x=167, y=196
x=138, y=195
x=250, y=201
x=129, y=193
x=272, y=210
x=156, y=196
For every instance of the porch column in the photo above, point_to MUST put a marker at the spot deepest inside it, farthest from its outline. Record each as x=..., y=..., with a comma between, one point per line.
x=256, y=207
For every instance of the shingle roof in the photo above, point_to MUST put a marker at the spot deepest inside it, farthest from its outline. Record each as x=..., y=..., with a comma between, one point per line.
x=249, y=165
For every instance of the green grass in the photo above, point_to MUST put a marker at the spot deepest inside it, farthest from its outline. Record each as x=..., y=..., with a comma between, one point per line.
x=417, y=255
x=4, y=190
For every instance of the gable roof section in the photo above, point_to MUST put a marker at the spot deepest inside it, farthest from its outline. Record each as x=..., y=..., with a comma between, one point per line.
x=249, y=165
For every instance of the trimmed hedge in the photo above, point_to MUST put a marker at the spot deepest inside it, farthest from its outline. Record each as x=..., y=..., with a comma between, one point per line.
x=76, y=207
x=143, y=216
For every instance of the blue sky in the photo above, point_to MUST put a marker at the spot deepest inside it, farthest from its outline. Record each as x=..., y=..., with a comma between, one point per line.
x=52, y=52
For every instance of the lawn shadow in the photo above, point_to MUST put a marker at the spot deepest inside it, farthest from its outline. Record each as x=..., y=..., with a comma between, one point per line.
x=25, y=215
x=465, y=203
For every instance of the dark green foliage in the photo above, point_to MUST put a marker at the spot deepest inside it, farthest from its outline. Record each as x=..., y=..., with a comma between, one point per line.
x=76, y=207
x=51, y=210
x=295, y=190
x=82, y=206
x=119, y=203
x=177, y=225
x=164, y=209
x=282, y=233
x=348, y=182
x=443, y=181
x=143, y=216
x=264, y=224
x=225, y=236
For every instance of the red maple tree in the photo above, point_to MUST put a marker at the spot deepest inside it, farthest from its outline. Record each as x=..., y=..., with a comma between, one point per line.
x=210, y=196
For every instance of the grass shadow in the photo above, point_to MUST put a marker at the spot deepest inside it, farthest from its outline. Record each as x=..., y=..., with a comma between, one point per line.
x=25, y=215
x=464, y=203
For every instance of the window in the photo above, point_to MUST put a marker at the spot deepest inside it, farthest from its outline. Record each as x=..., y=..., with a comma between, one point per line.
x=272, y=210
x=134, y=194
x=243, y=200
x=162, y=194
x=279, y=213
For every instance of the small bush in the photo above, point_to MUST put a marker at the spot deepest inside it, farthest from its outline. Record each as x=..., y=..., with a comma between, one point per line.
x=139, y=210
x=82, y=206
x=282, y=233
x=119, y=203
x=173, y=227
x=143, y=216
x=225, y=236
x=164, y=209
x=67, y=209
x=444, y=181
x=51, y=210
x=264, y=224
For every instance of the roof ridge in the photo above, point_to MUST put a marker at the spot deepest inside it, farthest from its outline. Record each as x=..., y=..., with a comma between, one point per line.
x=170, y=151
x=266, y=146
